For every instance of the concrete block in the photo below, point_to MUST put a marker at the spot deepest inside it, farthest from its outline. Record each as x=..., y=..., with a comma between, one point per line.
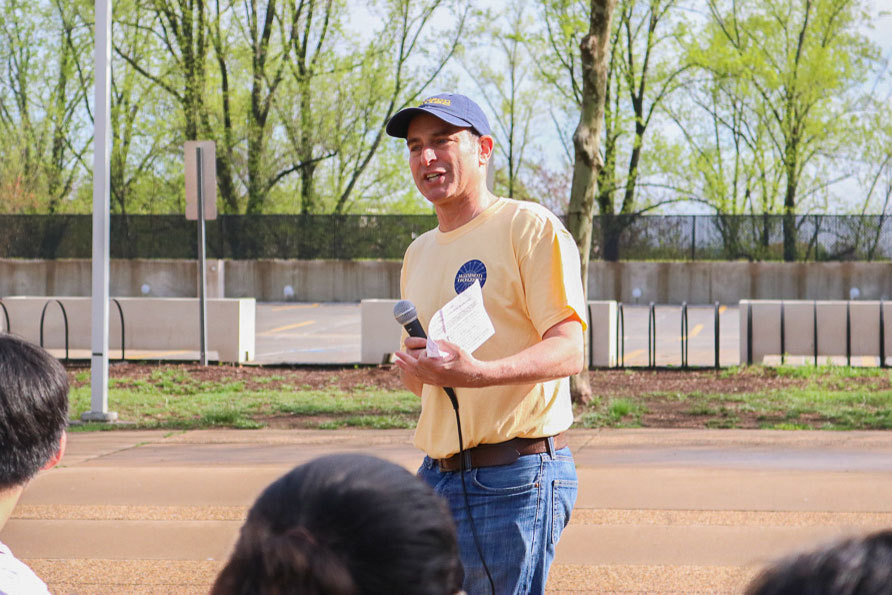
x=602, y=333
x=380, y=333
x=865, y=317
x=765, y=320
x=799, y=328
x=831, y=316
x=153, y=324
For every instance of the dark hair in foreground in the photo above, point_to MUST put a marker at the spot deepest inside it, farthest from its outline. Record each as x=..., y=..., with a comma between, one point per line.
x=858, y=566
x=33, y=409
x=345, y=524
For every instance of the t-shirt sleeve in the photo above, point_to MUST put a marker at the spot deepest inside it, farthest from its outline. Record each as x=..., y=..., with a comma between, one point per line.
x=549, y=263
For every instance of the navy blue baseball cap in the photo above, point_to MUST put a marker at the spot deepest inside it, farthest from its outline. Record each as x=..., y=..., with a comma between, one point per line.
x=455, y=109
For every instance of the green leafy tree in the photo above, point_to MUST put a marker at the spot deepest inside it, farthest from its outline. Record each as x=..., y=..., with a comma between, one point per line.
x=502, y=69
x=138, y=138
x=44, y=48
x=645, y=68
x=408, y=66
x=799, y=62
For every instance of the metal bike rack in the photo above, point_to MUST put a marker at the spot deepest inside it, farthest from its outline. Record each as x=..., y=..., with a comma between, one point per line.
x=620, y=336
x=816, y=331
x=6, y=315
x=749, y=333
x=684, y=336
x=121, y=314
x=652, y=337
x=65, y=319
x=783, y=335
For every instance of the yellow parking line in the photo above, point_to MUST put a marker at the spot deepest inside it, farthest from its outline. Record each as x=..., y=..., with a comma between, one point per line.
x=632, y=355
x=286, y=327
x=696, y=331
x=294, y=307
x=153, y=354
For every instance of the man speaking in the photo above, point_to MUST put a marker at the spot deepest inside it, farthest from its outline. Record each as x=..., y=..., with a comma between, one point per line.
x=513, y=392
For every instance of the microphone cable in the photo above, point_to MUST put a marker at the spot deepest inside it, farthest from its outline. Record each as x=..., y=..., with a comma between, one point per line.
x=450, y=392
x=405, y=314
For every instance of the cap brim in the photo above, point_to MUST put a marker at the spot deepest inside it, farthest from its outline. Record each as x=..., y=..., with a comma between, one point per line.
x=398, y=126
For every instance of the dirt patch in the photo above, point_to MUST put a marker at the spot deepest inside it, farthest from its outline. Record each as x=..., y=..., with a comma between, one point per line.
x=253, y=377
x=631, y=383
x=653, y=398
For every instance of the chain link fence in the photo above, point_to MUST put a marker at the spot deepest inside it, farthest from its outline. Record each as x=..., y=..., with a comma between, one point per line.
x=353, y=237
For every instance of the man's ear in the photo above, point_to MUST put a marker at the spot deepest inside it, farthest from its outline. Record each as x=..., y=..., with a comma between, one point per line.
x=484, y=153
x=57, y=456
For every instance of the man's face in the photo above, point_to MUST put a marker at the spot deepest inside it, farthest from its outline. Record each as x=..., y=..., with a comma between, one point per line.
x=444, y=159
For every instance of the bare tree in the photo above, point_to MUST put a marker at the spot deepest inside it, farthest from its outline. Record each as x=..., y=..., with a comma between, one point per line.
x=587, y=145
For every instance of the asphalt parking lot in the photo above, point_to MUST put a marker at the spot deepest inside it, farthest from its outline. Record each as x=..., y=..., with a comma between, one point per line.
x=329, y=333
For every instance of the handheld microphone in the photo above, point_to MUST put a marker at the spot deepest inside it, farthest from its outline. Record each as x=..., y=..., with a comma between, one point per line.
x=405, y=314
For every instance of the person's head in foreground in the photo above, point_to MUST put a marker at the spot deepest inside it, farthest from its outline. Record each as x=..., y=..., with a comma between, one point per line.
x=857, y=566
x=33, y=416
x=345, y=524
x=33, y=413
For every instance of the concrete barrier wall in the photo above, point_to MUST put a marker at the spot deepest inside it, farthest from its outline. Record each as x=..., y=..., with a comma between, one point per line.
x=127, y=278
x=729, y=282
x=379, y=332
x=150, y=324
x=313, y=280
x=353, y=281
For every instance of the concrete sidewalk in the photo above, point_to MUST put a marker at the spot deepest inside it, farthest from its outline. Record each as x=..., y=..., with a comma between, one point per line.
x=658, y=510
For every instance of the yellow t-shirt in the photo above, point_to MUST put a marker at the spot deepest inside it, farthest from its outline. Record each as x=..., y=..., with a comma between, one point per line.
x=528, y=266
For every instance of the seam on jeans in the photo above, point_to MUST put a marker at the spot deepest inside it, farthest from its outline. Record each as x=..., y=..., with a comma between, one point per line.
x=538, y=527
x=557, y=505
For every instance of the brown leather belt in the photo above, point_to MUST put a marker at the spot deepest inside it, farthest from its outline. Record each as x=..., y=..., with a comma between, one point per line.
x=503, y=453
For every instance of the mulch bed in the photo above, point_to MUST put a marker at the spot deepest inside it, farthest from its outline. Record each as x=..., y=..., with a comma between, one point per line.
x=657, y=390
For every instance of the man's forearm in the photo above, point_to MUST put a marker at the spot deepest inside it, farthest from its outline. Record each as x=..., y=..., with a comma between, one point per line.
x=553, y=357
x=558, y=354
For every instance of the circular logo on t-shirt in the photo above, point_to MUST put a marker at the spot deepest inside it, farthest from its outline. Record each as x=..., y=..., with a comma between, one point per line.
x=473, y=270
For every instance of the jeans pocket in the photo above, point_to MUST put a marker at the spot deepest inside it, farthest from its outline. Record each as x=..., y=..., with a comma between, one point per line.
x=563, y=497
x=521, y=476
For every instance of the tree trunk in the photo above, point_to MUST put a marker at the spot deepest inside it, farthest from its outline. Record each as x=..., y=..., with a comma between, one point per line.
x=790, y=239
x=611, y=229
x=588, y=160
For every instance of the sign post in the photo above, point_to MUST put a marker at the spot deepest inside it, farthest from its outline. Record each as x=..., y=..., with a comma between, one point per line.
x=201, y=204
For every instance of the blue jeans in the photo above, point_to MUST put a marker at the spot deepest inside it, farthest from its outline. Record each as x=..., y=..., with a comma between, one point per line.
x=519, y=510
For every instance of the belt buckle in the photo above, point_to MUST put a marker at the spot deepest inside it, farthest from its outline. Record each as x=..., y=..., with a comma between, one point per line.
x=465, y=454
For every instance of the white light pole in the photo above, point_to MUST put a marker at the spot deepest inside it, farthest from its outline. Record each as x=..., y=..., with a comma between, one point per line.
x=101, y=187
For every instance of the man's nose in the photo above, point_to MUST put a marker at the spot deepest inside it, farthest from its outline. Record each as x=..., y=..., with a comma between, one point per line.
x=428, y=155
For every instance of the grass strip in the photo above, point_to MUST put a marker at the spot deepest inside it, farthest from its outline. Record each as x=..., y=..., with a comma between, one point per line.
x=798, y=398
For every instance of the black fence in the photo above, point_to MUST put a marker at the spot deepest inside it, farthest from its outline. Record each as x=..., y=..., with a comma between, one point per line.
x=350, y=237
